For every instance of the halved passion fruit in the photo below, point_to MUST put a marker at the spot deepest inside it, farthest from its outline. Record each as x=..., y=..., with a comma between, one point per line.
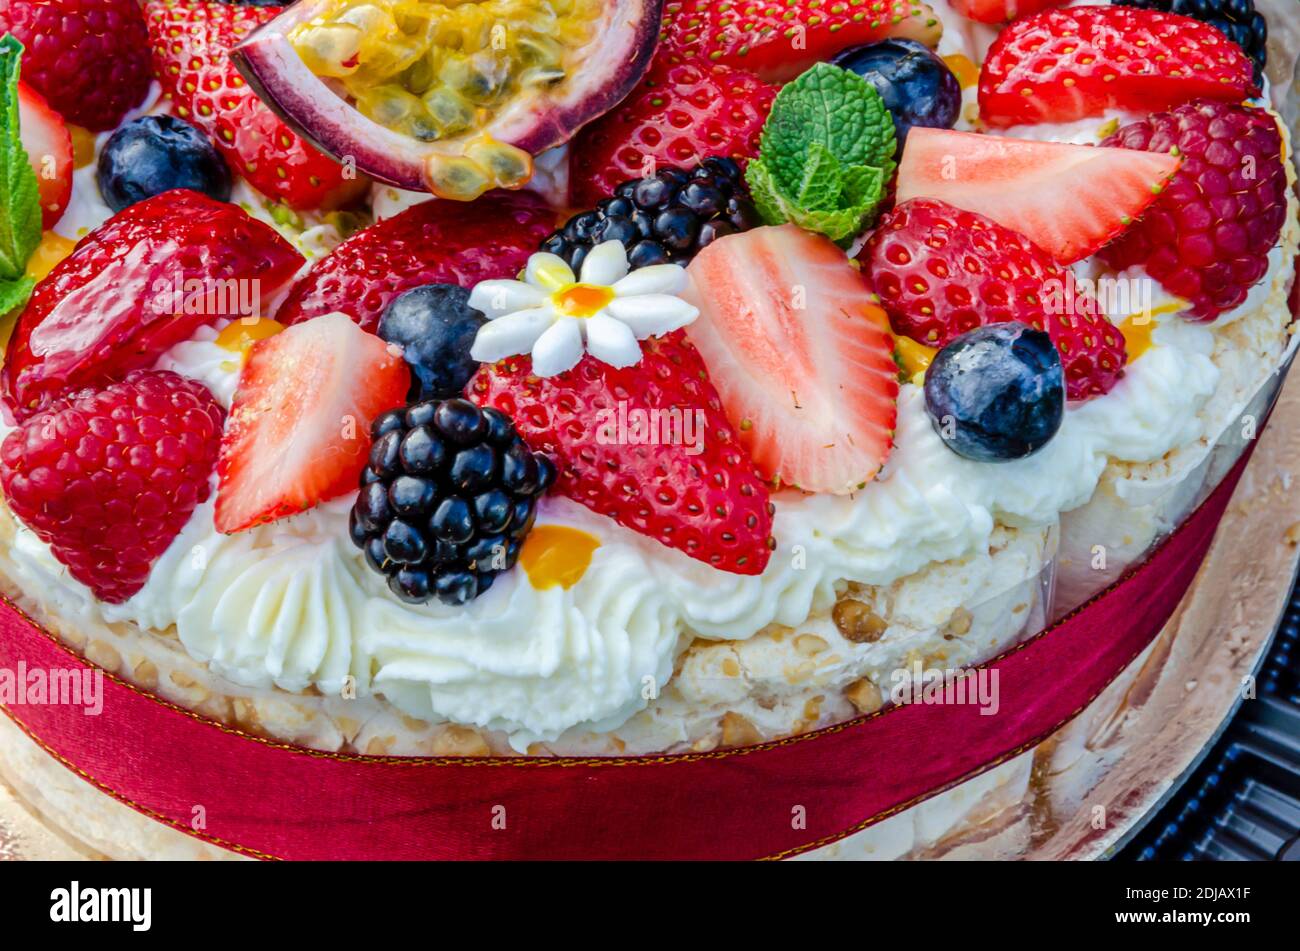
x=449, y=96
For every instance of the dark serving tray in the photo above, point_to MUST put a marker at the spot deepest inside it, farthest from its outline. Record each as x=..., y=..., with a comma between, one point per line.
x=1242, y=802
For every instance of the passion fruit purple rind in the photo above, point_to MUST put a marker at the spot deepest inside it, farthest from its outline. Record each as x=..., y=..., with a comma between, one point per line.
x=447, y=158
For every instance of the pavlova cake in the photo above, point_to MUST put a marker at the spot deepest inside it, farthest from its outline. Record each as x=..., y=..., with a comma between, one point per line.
x=542, y=377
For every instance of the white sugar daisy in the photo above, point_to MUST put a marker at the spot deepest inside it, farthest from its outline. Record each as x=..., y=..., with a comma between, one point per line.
x=555, y=317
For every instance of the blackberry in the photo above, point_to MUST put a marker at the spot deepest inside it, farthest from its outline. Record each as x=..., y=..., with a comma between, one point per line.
x=1236, y=19
x=663, y=219
x=446, y=499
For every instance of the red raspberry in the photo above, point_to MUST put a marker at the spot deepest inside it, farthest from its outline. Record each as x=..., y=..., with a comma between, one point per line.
x=1207, y=237
x=679, y=115
x=107, y=478
x=941, y=271
x=89, y=58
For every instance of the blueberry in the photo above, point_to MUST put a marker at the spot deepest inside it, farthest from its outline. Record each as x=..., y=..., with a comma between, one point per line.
x=996, y=393
x=452, y=521
x=460, y=421
x=435, y=327
x=422, y=452
x=154, y=154
x=456, y=587
x=404, y=543
x=916, y=85
x=485, y=579
x=473, y=469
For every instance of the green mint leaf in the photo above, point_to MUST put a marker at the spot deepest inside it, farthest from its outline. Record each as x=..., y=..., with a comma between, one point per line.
x=763, y=190
x=840, y=224
x=14, y=294
x=863, y=185
x=831, y=106
x=822, y=180
x=20, y=210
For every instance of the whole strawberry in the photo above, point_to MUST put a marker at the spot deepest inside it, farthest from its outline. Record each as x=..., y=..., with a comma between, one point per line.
x=435, y=242
x=88, y=58
x=1207, y=237
x=680, y=114
x=1063, y=65
x=108, y=478
x=941, y=272
x=191, y=42
x=698, y=493
x=779, y=39
x=144, y=280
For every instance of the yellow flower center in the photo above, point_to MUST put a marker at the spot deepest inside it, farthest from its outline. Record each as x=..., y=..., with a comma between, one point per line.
x=581, y=300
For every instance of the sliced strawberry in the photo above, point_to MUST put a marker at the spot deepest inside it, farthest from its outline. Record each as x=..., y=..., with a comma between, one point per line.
x=1063, y=65
x=801, y=358
x=435, y=242
x=144, y=280
x=1068, y=199
x=48, y=145
x=779, y=39
x=191, y=42
x=680, y=114
x=299, y=428
x=1001, y=11
x=692, y=487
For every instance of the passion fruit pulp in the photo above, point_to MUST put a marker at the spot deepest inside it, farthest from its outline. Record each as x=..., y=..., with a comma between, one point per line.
x=449, y=97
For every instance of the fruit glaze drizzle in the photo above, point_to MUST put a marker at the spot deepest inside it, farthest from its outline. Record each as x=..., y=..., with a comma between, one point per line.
x=774, y=344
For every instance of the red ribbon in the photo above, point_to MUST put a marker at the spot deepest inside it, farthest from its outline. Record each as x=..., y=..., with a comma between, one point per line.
x=277, y=801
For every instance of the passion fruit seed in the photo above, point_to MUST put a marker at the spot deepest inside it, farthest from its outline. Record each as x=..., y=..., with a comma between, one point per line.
x=486, y=164
x=433, y=70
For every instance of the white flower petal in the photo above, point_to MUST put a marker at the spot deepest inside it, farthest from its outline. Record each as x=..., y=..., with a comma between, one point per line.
x=548, y=271
x=497, y=298
x=652, y=315
x=656, y=279
x=510, y=335
x=559, y=349
x=612, y=341
x=605, y=264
